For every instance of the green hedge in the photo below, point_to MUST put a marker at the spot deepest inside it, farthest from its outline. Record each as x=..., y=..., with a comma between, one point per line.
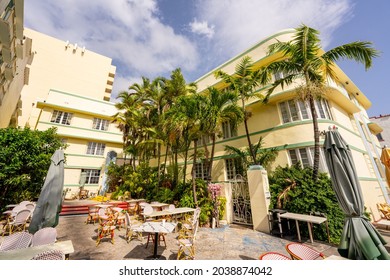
x=303, y=195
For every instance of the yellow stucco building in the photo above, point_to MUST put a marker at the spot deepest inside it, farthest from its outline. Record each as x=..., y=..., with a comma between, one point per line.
x=285, y=123
x=70, y=88
x=15, y=57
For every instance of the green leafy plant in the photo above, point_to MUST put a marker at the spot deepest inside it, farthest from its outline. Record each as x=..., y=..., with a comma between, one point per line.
x=307, y=196
x=24, y=161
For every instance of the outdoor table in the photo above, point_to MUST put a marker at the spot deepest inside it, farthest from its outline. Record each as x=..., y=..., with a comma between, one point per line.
x=172, y=212
x=310, y=219
x=156, y=228
x=28, y=253
x=158, y=205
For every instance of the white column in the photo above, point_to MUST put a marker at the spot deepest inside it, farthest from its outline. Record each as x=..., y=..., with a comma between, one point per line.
x=259, y=196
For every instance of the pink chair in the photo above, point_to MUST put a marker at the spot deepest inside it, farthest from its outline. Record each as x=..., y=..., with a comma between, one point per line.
x=273, y=256
x=17, y=240
x=299, y=251
x=44, y=236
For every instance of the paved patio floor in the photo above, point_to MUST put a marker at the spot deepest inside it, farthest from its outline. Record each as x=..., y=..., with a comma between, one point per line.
x=225, y=243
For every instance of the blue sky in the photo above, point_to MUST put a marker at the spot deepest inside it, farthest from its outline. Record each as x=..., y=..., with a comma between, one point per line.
x=153, y=37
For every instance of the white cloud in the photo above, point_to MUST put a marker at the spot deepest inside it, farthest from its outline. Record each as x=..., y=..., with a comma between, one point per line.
x=240, y=24
x=130, y=32
x=202, y=28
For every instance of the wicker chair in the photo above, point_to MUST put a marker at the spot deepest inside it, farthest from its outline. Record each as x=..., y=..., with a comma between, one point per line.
x=186, y=239
x=299, y=251
x=19, y=222
x=17, y=240
x=44, y=236
x=50, y=255
x=93, y=214
x=273, y=256
x=130, y=233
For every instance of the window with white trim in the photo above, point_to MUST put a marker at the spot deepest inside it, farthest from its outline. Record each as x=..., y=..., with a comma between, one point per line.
x=228, y=131
x=305, y=156
x=297, y=110
x=61, y=117
x=201, y=170
x=100, y=124
x=95, y=148
x=204, y=140
x=92, y=176
x=233, y=167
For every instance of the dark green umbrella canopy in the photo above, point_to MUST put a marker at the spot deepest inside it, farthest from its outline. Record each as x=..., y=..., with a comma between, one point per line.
x=48, y=207
x=359, y=240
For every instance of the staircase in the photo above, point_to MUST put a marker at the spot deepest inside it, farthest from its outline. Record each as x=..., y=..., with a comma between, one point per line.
x=81, y=208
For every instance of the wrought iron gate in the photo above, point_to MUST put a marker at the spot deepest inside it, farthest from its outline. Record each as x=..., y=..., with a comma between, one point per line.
x=241, y=203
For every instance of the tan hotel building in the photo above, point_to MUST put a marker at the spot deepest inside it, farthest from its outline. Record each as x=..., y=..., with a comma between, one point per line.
x=285, y=123
x=70, y=89
x=15, y=57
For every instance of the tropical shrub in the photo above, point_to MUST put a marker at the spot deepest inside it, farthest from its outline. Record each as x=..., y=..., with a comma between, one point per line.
x=24, y=161
x=299, y=193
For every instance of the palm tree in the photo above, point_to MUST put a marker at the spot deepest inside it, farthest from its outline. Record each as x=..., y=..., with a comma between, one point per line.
x=304, y=58
x=219, y=107
x=244, y=83
x=264, y=156
x=175, y=87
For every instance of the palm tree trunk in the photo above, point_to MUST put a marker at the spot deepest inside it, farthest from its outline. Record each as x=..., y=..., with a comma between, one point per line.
x=316, y=139
x=247, y=133
x=193, y=172
x=185, y=162
x=211, y=157
x=166, y=158
x=158, y=163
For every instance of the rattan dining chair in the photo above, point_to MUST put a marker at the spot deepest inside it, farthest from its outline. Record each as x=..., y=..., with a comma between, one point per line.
x=50, y=255
x=299, y=251
x=17, y=240
x=273, y=256
x=44, y=236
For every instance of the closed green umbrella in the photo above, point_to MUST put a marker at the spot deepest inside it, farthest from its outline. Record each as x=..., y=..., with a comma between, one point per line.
x=359, y=240
x=48, y=207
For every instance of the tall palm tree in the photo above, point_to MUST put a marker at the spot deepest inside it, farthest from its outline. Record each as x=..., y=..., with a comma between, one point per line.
x=304, y=58
x=175, y=87
x=219, y=107
x=244, y=82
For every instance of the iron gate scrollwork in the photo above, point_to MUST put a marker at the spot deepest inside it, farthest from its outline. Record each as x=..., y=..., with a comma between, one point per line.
x=241, y=203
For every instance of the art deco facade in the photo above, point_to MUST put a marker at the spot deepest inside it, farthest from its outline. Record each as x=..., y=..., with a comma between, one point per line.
x=70, y=88
x=285, y=123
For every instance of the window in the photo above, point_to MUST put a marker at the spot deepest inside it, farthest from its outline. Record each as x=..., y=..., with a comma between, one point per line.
x=204, y=140
x=296, y=110
x=96, y=148
x=228, y=130
x=201, y=170
x=92, y=176
x=234, y=167
x=305, y=156
x=61, y=117
x=100, y=124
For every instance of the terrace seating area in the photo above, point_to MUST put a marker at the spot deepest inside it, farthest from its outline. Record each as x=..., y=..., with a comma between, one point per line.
x=186, y=241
